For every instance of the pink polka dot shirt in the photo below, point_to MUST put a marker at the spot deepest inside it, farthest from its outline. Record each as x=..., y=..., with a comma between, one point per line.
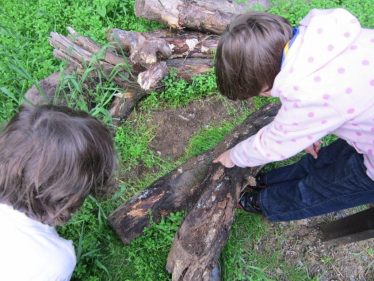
x=326, y=86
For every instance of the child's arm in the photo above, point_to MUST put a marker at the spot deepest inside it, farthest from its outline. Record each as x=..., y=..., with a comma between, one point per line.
x=297, y=126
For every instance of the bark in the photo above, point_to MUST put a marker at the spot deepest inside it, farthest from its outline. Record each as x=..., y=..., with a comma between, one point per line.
x=188, y=68
x=124, y=103
x=149, y=79
x=180, y=189
x=142, y=51
x=170, y=44
x=199, y=241
x=203, y=15
x=44, y=91
x=82, y=52
x=189, y=54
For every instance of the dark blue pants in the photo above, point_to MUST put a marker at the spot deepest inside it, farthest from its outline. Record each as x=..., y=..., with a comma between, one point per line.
x=334, y=181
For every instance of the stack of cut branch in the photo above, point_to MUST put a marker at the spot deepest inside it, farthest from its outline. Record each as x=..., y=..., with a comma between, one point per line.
x=136, y=62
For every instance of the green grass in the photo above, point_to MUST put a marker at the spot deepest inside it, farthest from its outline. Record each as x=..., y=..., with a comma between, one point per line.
x=242, y=260
x=295, y=10
x=27, y=57
x=178, y=92
x=210, y=136
x=101, y=256
x=25, y=27
x=132, y=145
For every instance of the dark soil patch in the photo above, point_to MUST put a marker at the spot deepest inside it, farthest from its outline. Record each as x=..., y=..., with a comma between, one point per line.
x=174, y=127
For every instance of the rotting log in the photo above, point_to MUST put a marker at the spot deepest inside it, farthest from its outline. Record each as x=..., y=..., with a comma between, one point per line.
x=180, y=189
x=189, y=53
x=203, y=15
x=199, y=241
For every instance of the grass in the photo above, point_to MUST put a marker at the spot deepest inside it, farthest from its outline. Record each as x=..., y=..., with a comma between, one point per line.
x=24, y=30
x=27, y=58
x=243, y=259
x=178, y=92
x=210, y=136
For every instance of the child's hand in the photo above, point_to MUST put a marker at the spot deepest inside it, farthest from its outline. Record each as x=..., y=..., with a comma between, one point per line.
x=225, y=159
x=314, y=149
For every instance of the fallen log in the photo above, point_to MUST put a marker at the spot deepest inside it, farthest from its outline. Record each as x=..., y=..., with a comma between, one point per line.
x=143, y=49
x=199, y=241
x=180, y=189
x=202, y=15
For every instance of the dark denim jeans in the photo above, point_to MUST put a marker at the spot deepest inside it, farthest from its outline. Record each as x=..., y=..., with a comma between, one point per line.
x=334, y=181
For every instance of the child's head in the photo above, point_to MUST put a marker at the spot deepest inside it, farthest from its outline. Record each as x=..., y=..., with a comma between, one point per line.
x=249, y=54
x=51, y=157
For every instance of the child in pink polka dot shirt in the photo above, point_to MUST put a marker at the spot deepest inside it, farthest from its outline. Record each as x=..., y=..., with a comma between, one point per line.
x=323, y=74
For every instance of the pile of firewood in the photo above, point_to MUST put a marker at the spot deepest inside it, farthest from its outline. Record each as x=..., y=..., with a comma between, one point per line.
x=206, y=191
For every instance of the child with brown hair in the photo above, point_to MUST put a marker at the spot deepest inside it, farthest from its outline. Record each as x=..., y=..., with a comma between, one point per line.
x=323, y=74
x=51, y=157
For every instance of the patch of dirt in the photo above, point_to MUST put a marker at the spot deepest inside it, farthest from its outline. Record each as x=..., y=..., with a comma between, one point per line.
x=174, y=127
x=301, y=247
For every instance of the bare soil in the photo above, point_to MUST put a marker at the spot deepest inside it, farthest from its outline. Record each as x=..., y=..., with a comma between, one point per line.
x=300, y=246
x=176, y=126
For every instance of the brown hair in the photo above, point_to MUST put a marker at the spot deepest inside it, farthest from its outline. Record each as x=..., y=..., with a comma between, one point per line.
x=51, y=157
x=249, y=54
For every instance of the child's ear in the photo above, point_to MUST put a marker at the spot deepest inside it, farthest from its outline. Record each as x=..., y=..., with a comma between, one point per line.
x=265, y=94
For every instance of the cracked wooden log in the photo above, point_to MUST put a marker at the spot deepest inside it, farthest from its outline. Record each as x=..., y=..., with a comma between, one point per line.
x=149, y=79
x=142, y=50
x=203, y=15
x=199, y=241
x=181, y=188
x=82, y=52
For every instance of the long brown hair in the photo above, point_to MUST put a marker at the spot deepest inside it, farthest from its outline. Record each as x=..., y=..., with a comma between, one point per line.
x=51, y=157
x=249, y=54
